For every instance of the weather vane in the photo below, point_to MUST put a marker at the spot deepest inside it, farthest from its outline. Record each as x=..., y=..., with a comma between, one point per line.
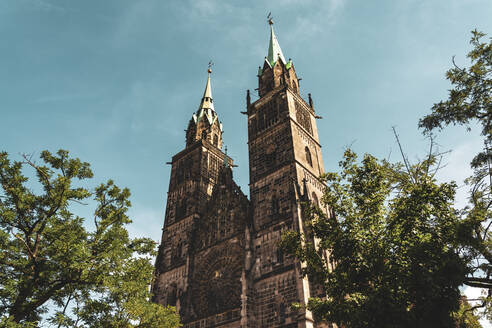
x=210, y=64
x=270, y=18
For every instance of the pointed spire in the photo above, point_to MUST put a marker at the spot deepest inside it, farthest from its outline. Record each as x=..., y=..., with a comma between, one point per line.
x=207, y=100
x=206, y=109
x=274, y=51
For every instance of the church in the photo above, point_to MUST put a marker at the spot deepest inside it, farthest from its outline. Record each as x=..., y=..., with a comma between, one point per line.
x=219, y=261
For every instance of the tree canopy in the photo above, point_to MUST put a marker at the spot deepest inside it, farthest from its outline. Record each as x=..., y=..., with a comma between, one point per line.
x=470, y=100
x=54, y=265
x=391, y=244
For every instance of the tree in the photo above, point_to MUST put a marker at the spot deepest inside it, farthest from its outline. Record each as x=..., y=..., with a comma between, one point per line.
x=470, y=100
x=465, y=318
x=51, y=260
x=392, y=246
x=399, y=250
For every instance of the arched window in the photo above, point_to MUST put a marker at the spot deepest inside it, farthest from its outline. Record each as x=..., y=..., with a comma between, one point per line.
x=179, y=251
x=308, y=156
x=281, y=313
x=181, y=207
x=204, y=134
x=216, y=140
x=315, y=199
x=171, y=295
x=280, y=255
x=275, y=205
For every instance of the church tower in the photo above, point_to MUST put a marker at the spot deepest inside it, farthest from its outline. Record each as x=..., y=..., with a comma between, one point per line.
x=284, y=163
x=200, y=266
x=219, y=261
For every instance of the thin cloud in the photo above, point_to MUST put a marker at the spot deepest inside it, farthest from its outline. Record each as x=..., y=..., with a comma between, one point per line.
x=45, y=5
x=63, y=97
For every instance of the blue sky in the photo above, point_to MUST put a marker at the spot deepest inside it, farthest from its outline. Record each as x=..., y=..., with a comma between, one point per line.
x=116, y=81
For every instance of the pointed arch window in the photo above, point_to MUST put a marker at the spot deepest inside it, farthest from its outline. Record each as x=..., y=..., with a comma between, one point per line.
x=171, y=295
x=204, y=134
x=315, y=199
x=275, y=205
x=181, y=207
x=308, y=156
x=280, y=255
x=216, y=140
x=281, y=313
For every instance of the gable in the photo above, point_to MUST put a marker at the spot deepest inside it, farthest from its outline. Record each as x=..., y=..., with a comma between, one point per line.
x=226, y=213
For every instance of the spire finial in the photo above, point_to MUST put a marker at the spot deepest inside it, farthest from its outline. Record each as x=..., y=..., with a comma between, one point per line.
x=270, y=18
x=210, y=64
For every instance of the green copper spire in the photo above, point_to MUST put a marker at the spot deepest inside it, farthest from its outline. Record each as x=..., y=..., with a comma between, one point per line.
x=206, y=108
x=274, y=51
x=207, y=101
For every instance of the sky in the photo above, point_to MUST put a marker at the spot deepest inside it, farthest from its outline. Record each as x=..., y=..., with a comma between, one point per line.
x=115, y=82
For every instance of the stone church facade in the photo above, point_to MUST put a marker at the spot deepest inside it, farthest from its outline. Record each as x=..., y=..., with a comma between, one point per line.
x=218, y=261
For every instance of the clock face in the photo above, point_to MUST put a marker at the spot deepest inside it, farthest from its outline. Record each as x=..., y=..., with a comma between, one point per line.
x=217, y=287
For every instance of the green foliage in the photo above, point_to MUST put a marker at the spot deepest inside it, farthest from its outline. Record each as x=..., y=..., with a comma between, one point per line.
x=470, y=99
x=92, y=278
x=465, y=318
x=392, y=255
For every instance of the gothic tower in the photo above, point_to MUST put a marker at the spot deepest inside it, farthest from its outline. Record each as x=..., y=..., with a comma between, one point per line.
x=284, y=163
x=219, y=261
x=200, y=266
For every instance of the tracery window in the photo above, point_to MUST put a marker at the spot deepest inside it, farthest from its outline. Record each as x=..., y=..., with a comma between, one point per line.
x=271, y=113
x=303, y=118
x=308, y=156
x=267, y=115
x=214, y=165
x=181, y=207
